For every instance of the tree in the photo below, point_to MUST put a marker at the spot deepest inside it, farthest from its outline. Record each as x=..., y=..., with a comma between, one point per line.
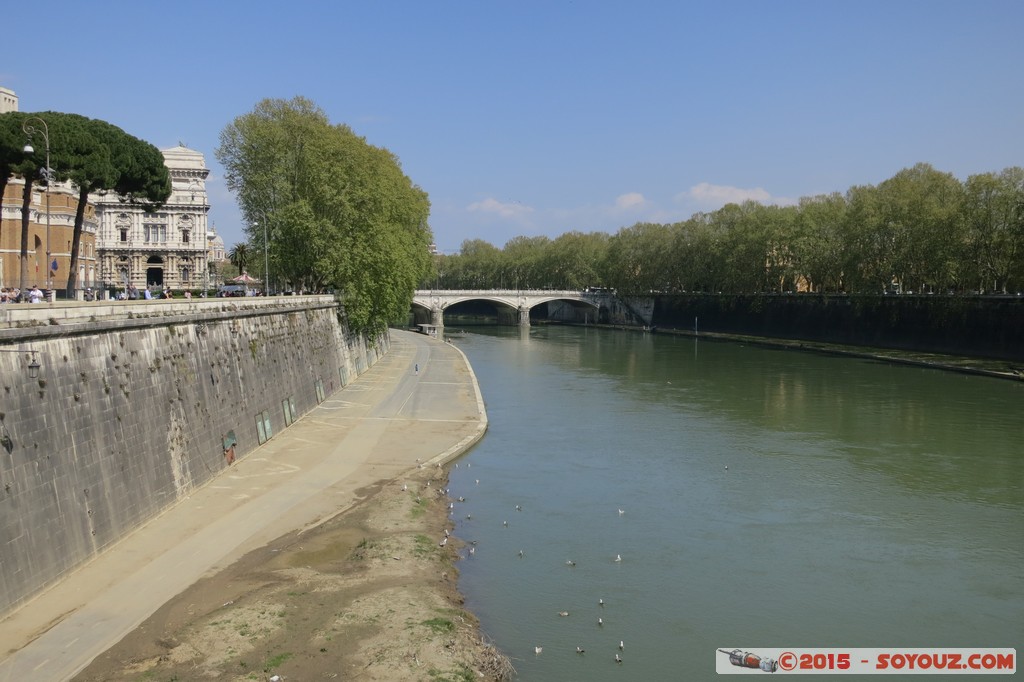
x=994, y=221
x=239, y=256
x=94, y=156
x=340, y=213
x=100, y=157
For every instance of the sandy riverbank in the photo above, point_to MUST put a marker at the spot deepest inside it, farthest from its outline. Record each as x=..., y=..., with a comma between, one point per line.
x=368, y=595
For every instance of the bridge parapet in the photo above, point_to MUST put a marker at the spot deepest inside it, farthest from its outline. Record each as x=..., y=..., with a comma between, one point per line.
x=516, y=303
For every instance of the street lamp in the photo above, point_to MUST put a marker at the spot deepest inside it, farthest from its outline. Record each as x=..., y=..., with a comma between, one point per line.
x=32, y=366
x=31, y=130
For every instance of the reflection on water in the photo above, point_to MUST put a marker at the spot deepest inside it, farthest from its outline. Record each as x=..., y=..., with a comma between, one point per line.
x=768, y=498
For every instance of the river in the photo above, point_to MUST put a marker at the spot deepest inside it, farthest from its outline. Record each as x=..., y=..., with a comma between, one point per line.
x=722, y=495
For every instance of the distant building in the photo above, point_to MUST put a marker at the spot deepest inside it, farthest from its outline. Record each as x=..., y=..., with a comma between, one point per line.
x=167, y=248
x=8, y=100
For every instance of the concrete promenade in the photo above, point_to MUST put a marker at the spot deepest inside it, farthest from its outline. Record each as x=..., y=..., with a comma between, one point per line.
x=390, y=420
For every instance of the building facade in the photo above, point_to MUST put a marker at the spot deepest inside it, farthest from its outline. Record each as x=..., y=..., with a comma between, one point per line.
x=167, y=248
x=51, y=228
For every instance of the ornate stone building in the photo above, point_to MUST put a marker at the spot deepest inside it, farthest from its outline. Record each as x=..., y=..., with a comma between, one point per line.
x=166, y=248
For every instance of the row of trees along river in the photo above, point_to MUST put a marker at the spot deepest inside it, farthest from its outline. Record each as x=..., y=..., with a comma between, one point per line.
x=921, y=230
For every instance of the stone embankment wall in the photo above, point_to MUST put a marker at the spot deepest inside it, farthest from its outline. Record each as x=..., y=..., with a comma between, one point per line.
x=136, y=404
x=974, y=326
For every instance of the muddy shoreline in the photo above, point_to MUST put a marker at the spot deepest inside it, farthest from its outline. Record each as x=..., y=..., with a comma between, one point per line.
x=370, y=594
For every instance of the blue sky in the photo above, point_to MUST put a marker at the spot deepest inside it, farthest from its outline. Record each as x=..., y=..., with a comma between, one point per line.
x=537, y=118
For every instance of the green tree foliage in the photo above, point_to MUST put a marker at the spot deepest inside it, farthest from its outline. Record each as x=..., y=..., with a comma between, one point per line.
x=239, y=257
x=921, y=230
x=993, y=220
x=338, y=212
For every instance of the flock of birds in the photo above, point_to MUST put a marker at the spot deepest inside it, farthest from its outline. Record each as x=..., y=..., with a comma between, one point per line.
x=472, y=551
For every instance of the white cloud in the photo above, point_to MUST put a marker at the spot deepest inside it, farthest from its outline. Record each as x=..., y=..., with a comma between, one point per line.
x=630, y=200
x=720, y=195
x=502, y=209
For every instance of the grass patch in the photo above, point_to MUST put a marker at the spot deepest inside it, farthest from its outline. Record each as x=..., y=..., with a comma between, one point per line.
x=276, y=661
x=424, y=546
x=362, y=549
x=439, y=626
x=419, y=508
x=461, y=674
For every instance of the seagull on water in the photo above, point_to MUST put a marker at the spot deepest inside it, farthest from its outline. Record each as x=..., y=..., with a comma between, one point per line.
x=600, y=621
x=521, y=554
x=579, y=650
x=622, y=645
x=563, y=613
x=570, y=562
x=618, y=557
x=505, y=523
x=518, y=508
x=618, y=659
x=621, y=512
x=538, y=649
x=600, y=602
x=472, y=550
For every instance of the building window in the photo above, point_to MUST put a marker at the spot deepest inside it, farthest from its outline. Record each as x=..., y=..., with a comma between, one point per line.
x=184, y=236
x=153, y=233
x=124, y=234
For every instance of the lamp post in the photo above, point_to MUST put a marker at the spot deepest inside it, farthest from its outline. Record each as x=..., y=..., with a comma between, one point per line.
x=31, y=130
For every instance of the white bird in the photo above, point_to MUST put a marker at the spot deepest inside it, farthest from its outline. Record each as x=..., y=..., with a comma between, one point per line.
x=726, y=466
x=622, y=645
x=478, y=481
x=621, y=512
x=570, y=562
x=618, y=557
x=505, y=523
x=563, y=613
x=446, y=532
x=579, y=650
x=600, y=622
x=538, y=649
x=518, y=508
x=472, y=550
x=443, y=542
x=618, y=659
x=405, y=487
x=600, y=602
x=469, y=516
x=521, y=554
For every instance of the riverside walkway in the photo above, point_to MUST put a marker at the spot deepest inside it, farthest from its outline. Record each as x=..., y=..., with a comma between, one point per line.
x=419, y=405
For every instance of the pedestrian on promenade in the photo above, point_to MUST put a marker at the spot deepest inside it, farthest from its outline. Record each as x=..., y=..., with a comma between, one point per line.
x=35, y=295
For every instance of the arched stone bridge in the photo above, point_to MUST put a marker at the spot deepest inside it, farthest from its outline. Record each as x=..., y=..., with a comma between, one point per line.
x=512, y=305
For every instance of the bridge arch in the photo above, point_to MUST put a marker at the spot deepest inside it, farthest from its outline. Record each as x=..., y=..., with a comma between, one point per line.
x=511, y=307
